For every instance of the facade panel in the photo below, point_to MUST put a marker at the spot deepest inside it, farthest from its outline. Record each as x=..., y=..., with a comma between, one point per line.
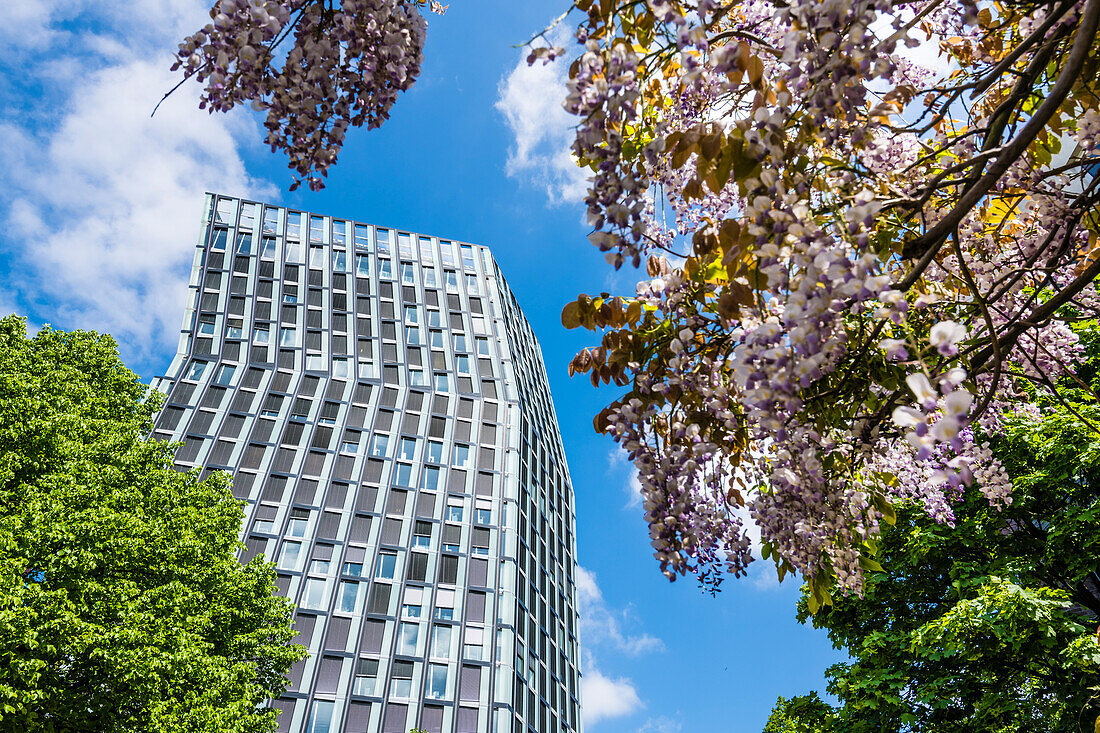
x=383, y=407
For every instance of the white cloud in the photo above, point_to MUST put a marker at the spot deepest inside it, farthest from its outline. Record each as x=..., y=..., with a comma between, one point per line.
x=601, y=626
x=530, y=99
x=633, y=487
x=104, y=202
x=603, y=697
x=660, y=724
x=762, y=573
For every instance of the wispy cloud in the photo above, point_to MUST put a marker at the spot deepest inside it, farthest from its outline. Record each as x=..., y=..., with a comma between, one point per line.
x=530, y=99
x=660, y=724
x=617, y=461
x=602, y=626
x=103, y=201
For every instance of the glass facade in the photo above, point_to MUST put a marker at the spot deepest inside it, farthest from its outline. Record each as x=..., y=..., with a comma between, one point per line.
x=383, y=407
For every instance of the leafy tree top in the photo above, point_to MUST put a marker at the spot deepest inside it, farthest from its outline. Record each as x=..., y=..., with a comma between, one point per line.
x=989, y=624
x=122, y=604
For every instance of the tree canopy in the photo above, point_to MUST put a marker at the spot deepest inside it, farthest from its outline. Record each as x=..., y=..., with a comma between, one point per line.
x=987, y=623
x=866, y=226
x=123, y=607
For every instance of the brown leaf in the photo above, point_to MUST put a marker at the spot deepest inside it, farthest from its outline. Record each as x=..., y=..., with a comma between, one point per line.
x=755, y=71
x=693, y=190
x=571, y=315
x=710, y=144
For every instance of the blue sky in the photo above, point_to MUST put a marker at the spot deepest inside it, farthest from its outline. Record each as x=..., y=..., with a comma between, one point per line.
x=102, y=206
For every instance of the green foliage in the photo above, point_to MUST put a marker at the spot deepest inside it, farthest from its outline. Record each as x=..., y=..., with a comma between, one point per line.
x=987, y=625
x=802, y=714
x=122, y=604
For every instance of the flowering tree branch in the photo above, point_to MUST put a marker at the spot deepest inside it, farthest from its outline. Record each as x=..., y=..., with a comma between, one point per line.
x=815, y=351
x=349, y=61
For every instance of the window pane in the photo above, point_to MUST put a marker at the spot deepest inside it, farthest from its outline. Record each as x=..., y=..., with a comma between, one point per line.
x=386, y=565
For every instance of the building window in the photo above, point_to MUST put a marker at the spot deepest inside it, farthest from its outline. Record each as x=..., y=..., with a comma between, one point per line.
x=320, y=719
x=448, y=572
x=315, y=594
x=407, y=448
x=384, y=271
x=444, y=603
x=441, y=642
x=433, y=318
x=291, y=556
x=416, y=378
x=418, y=567
x=387, y=564
x=474, y=647
x=349, y=596
x=220, y=236
x=225, y=374
x=460, y=342
x=402, y=680
x=407, y=636
x=412, y=335
x=299, y=520
x=366, y=677
x=462, y=364
x=260, y=336
x=362, y=237
x=454, y=514
x=354, y=569
x=339, y=262
x=436, y=339
x=320, y=567
x=378, y=445
x=429, y=277
x=403, y=475
x=483, y=516
x=482, y=346
x=422, y=533
x=430, y=479
x=408, y=276
x=437, y=681
x=195, y=373
x=435, y=452
x=461, y=456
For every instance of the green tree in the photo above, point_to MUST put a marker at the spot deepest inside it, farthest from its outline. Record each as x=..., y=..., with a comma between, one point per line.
x=122, y=604
x=990, y=624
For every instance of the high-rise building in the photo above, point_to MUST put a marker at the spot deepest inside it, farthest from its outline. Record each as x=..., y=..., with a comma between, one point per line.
x=383, y=408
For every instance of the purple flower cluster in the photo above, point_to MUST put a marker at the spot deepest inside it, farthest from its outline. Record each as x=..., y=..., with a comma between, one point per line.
x=346, y=66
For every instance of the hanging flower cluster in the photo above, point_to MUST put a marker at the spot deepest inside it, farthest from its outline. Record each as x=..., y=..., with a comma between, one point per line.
x=347, y=63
